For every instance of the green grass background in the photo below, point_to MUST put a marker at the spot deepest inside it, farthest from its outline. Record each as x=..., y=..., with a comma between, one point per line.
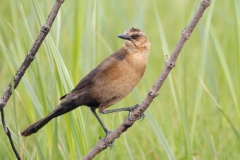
x=195, y=116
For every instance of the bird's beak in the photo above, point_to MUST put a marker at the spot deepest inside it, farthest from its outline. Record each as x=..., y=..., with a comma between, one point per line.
x=124, y=36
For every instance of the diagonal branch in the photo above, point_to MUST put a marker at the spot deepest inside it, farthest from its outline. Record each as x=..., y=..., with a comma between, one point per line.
x=101, y=145
x=31, y=54
x=26, y=63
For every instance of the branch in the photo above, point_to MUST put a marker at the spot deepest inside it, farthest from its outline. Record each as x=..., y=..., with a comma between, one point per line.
x=186, y=33
x=7, y=131
x=31, y=54
x=26, y=63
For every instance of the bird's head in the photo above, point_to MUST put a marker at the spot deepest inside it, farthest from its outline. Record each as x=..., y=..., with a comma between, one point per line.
x=135, y=38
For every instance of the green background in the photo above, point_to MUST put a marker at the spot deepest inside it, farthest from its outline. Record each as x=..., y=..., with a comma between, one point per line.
x=196, y=114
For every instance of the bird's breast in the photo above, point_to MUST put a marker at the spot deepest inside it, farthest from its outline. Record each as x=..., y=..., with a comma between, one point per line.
x=119, y=78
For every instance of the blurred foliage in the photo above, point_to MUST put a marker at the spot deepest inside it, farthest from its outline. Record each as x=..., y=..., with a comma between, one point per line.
x=195, y=116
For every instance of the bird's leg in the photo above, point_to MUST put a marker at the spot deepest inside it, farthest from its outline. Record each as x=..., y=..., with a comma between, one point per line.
x=104, y=128
x=129, y=109
x=100, y=121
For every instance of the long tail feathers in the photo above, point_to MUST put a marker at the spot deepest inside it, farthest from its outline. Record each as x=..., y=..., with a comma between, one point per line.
x=61, y=109
x=36, y=126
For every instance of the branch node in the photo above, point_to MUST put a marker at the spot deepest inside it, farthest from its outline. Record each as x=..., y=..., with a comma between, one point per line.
x=104, y=145
x=2, y=104
x=185, y=34
x=170, y=65
x=153, y=93
x=45, y=29
x=206, y=3
x=126, y=126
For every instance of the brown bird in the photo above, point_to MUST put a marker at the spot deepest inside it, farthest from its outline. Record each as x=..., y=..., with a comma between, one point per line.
x=108, y=83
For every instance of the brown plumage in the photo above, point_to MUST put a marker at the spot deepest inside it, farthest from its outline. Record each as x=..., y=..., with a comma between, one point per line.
x=108, y=83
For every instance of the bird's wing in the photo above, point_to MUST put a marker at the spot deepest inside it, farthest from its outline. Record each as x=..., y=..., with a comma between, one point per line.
x=89, y=79
x=85, y=83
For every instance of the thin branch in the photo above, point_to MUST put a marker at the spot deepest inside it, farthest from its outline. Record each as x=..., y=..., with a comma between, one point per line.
x=31, y=54
x=26, y=63
x=7, y=131
x=101, y=145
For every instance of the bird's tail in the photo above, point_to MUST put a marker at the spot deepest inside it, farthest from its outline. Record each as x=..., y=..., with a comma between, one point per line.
x=60, y=109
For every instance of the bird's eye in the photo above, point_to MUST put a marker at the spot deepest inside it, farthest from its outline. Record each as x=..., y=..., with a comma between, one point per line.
x=136, y=36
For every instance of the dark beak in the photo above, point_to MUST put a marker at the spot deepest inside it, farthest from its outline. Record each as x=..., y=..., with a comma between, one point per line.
x=124, y=36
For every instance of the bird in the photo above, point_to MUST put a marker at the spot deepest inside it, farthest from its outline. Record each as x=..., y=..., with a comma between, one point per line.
x=111, y=81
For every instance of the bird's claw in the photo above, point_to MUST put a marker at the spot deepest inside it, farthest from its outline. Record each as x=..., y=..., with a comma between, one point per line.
x=111, y=144
x=141, y=117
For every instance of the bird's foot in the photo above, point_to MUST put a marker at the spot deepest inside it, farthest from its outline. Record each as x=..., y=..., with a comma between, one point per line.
x=108, y=144
x=141, y=117
x=130, y=109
